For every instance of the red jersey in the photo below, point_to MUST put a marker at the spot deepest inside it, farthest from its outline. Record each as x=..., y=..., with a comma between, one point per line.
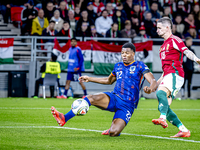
x=171, y=55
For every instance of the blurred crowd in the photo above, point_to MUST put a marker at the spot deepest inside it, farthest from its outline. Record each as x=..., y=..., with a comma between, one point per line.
x=108, y=18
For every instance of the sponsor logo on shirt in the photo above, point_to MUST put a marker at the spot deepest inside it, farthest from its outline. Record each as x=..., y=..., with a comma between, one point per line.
x=132, y=69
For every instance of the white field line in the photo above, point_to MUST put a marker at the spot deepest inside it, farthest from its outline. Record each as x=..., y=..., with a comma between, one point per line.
x=57, y=127
x=92, y=108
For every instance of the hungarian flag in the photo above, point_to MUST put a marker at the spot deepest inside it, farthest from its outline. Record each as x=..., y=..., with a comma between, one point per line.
x=63, y=54
x=105, y=56
x=6, y=51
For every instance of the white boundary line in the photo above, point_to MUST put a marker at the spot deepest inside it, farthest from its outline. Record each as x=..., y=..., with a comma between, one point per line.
x=57, y=127
x=90, y=108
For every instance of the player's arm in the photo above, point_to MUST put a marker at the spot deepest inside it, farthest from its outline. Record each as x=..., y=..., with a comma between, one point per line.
x=191, y=56
x=153, y=84
x=107, y=80
x=160, y=79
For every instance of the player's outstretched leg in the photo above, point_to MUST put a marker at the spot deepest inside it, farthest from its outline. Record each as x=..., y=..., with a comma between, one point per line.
x=62, y=119
x=172, y=118
x=163, y=108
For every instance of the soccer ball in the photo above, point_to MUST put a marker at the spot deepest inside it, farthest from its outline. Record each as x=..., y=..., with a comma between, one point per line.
x=80, y=107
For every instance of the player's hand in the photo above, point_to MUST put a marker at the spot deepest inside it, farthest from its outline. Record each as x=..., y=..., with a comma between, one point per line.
x=76, y=69
x=147, y=90
x=84, y=79
x=198, y=61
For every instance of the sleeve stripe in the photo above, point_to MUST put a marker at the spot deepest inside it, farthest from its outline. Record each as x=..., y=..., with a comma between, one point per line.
x=112, y=74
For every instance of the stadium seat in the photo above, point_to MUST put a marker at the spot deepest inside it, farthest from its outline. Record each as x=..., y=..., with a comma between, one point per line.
x=16, y=15
x=50, y=80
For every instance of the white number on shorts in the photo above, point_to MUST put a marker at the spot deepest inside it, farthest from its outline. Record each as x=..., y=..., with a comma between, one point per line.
x=128, y=115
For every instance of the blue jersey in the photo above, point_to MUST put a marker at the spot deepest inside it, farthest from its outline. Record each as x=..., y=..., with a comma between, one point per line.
x=128, y=78
x=75, y=59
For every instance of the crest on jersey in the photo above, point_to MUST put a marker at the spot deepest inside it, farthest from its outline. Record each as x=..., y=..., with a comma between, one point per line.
x=163, y=55
x=132, y=69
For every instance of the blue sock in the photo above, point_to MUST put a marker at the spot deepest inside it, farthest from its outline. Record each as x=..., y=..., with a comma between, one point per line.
x=65, y=93
x=85, y=92
x=87, y=101
x=69, y=115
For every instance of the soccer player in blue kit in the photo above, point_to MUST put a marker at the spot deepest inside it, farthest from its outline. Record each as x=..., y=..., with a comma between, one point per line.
x=125, y=96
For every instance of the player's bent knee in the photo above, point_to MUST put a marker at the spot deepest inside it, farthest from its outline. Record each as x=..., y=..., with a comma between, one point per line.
x=161, y=93
x=93, y=99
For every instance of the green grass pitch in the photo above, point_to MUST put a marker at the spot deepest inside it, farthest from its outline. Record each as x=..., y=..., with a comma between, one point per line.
x=28, y=124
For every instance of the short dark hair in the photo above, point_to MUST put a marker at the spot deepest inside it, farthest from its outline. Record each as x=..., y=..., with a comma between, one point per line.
x=165, y=20
x=66, y=22
x=53, y=57
x=52, y=21
x=188, y=38
x=73, y=39
x=129, y=45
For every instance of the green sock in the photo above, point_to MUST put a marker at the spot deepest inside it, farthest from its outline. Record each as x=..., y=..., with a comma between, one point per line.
x=172, y=118
x=163, y=102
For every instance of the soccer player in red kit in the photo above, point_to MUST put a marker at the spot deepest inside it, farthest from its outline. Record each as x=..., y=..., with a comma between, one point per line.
x=172, y=79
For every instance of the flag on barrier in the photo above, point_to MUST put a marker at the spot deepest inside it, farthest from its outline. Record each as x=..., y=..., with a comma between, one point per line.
x=6, y=51
x=63, y=54
x=105, y=56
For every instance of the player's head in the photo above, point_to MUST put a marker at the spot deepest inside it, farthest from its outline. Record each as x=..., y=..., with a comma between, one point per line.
x=128, y=53
x=53, y=57
x=164, y=26
x=73, y=42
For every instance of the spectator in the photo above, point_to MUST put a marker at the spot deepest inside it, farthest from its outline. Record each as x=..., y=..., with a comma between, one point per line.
x=91, y=14
x=180, y=10
x=72, y=21
x=39, y=23
x=174, y=31
x=98, y=7
x=5, y=9
x=167, y=13
x=66, y=31
x=113, y=32
x=172, y=5
x=137, y=12
x=154, y=11
x=142, y=36
x=49, y=11
x=58, y=20
x=63, y=10
x=192, y=32
x=180, y=27
x=50, y=31
x=103, y=23
x=128, y=32
x=150, y=25
x=77, y=13
x=38, y=3
x=27, y=16
x=120, y=7
x=128, y=7
x=187, y=6
x=189, y=21
x=84, y=31
x=84, y=18
x=144, y=5
x=135, y=23
x=196, y=12
x=94, y=32
x=82, y=4
x=109, y=9
x=117, y=18
x=188, y=67
x=51, y=67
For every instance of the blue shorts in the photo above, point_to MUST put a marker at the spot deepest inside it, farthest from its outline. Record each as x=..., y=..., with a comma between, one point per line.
x=73, y=76
x=122, y=109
